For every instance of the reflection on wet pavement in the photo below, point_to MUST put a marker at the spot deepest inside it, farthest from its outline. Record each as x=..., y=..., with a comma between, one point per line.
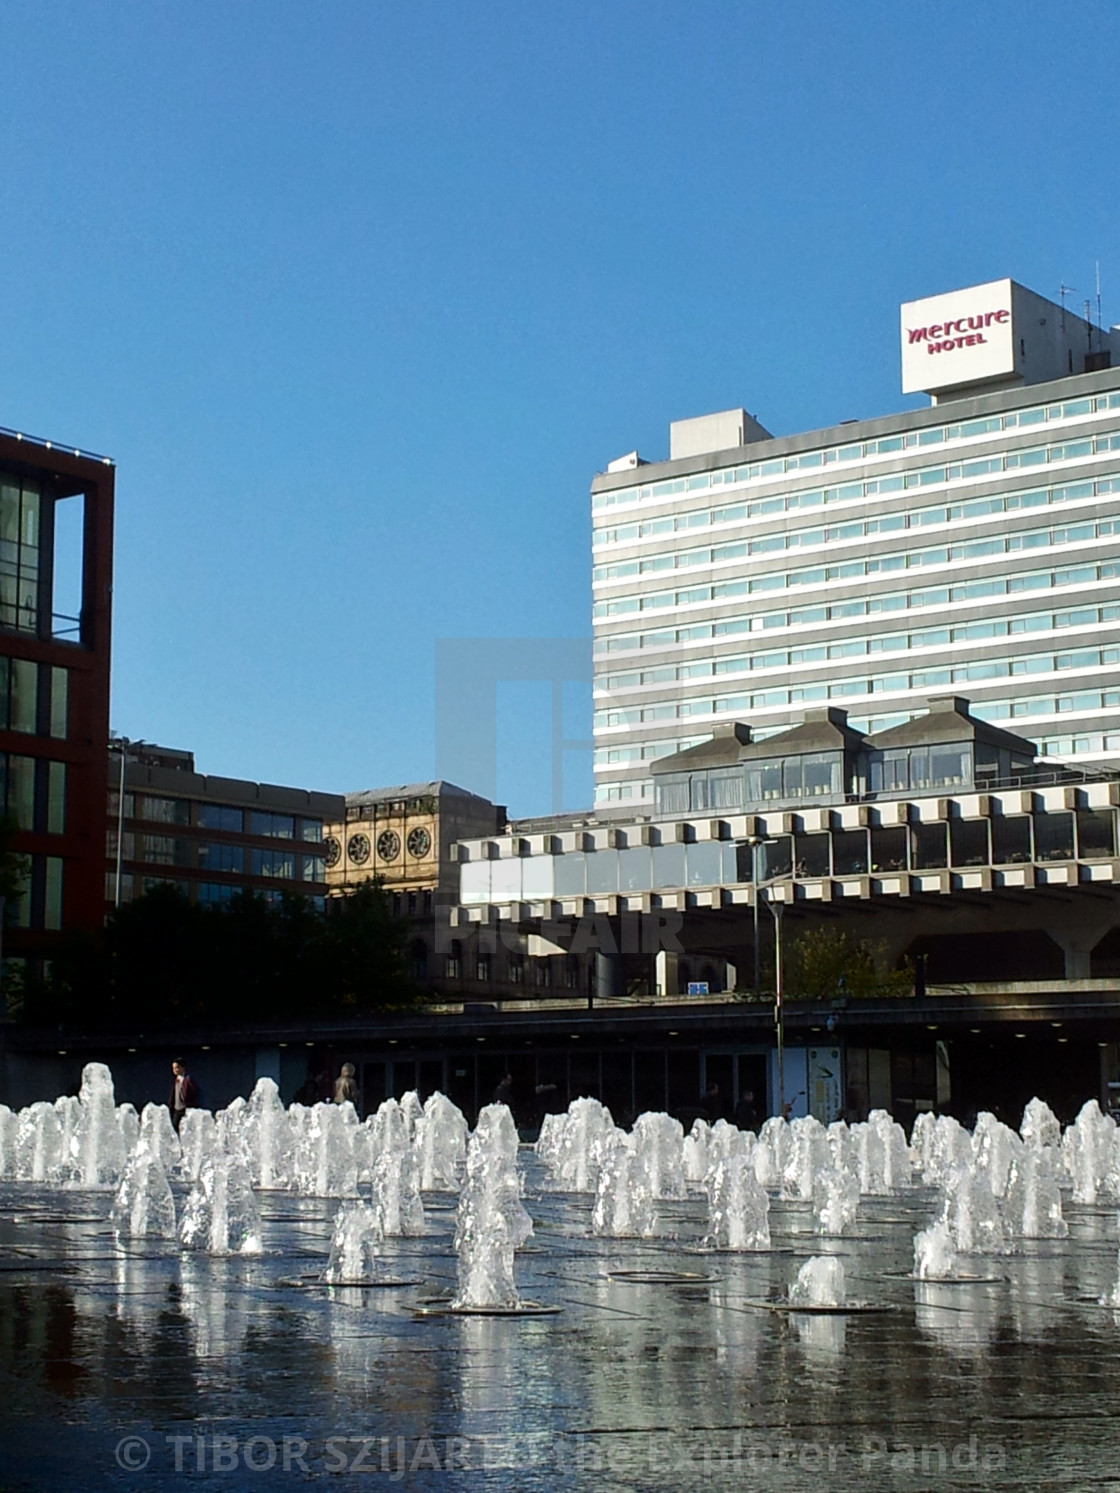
x=144, y=1368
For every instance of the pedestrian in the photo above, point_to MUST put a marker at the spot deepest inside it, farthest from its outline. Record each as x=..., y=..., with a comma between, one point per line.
x=184, y=1092
x=746, y=1112
x=503, y=1094
x=346, y=1087
x=308, y=1092
x=711, y=1103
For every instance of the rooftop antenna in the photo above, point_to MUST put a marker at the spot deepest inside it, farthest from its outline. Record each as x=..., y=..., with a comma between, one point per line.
x=1088, y=322
x=1100, y=326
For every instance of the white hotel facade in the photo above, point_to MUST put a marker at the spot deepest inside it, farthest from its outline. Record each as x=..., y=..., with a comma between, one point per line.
x=971, y=548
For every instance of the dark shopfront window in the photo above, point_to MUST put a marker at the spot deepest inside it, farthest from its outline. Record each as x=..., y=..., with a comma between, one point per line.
x=1096, y=833
x=888, y=849
x=968, y=842
x=1011, y=839
x=928, y=847
x=1053, y=837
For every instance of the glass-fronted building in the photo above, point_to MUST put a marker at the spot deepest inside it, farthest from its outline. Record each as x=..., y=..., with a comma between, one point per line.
x=209, y=837
x=972, y=543
x=56, y=554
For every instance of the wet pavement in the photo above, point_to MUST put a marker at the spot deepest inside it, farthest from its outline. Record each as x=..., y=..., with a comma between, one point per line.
x=140, y=1368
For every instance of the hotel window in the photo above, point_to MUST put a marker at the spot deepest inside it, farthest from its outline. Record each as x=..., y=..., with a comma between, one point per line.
x=19, y=694
x=60, y=699
x=19, y=554
x=52, y=892
x=17, y=788
x=56, y=798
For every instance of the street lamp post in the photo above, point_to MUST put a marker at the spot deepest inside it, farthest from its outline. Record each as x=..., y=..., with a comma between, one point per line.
x=777, y=908
x=756, y=842
x=122, y=745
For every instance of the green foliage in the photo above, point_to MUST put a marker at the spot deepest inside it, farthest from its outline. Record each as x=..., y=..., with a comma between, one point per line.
x=164, y=961
x=826, y=963
x=13, y=868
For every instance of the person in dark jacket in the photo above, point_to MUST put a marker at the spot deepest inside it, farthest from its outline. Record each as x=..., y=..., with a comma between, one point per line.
x=184, y=1092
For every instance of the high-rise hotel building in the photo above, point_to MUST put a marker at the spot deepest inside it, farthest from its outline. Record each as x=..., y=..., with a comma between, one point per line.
x=969, y=547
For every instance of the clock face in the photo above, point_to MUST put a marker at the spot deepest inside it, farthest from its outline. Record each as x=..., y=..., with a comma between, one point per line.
x=388, y=845
x=419, y=842
x=334, y=851
x=357, y=849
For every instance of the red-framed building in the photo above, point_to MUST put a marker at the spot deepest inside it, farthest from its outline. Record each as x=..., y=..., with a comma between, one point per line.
x=56, y=572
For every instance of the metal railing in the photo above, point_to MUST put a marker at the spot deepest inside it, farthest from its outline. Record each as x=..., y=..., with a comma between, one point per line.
x=45, y=445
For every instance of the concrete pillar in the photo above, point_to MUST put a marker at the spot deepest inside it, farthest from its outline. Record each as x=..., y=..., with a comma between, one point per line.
x=665, y=976
x=1077, y=944
x=610, y=975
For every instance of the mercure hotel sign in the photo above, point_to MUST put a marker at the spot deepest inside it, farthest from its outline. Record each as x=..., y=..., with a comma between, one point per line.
x=959, y=338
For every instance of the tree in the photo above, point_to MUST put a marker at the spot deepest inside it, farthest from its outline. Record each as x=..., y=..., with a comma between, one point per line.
x=827, y=963
x=165, y=961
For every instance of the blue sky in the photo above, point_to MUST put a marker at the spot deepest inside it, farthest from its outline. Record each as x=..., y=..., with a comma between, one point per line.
x=360, y=295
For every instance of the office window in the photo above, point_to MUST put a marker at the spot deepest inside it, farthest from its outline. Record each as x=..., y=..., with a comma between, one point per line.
x=218, y=856
x=128, y=845
x=213, y=893
x=150, y=883
x=165, y=850
x=455, y=960
x=516, y=969
x=275, y=826
x=279, y=863
x=220, y=817
x=482, y=967
x=311, y=830
x=115, y=805
x=166, y=810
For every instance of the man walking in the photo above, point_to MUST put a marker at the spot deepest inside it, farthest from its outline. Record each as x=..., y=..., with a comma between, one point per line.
x=184, y=1093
